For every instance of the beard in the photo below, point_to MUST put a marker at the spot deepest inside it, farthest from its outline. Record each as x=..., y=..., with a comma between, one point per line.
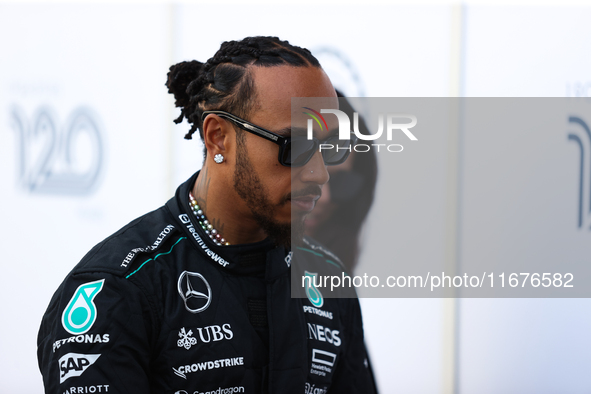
x=250, y=188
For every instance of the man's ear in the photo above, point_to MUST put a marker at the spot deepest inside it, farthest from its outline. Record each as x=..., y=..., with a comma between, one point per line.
x=215, y=134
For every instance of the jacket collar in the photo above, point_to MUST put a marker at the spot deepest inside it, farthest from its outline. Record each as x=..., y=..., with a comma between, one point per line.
x=244, y=259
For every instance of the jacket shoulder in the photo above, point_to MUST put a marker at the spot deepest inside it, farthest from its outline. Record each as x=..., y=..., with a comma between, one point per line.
x=311, y=246
x=144, y=236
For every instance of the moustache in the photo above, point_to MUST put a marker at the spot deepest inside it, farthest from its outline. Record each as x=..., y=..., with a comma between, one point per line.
x=311, y=190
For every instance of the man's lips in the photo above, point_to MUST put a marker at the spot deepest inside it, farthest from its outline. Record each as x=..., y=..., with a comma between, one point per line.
x=305, y=203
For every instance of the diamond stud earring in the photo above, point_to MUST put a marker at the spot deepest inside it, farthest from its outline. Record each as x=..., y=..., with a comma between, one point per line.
x=219, y=158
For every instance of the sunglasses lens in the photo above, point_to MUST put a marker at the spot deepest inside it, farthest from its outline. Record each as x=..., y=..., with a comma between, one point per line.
x=298, y=152
x=335, y=151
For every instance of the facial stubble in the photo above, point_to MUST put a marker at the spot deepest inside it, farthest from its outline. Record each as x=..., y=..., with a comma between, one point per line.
x=249, y=187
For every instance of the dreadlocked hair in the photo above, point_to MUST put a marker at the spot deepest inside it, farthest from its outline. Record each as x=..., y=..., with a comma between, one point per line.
x=224, y=81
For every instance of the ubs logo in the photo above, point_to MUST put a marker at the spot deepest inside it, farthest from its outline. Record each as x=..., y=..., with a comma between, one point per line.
x=584, y=169
x=195, y=291
x=58, y=158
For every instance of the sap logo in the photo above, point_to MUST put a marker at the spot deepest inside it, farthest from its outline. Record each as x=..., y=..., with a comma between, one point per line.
x=345, y=124
x=74, y=364
x=324, y=334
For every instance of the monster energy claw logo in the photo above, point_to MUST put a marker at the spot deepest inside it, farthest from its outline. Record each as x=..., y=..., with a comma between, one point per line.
x=314, y=295
x=80, y=313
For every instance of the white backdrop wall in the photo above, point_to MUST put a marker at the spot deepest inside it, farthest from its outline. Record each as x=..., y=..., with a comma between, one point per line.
x=93, y=77
x=75, y=81
x=524, y=345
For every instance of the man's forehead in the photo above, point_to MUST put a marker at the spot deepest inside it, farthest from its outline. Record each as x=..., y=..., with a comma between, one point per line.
x=317, y=132
x=276, y=86
x=309, y=112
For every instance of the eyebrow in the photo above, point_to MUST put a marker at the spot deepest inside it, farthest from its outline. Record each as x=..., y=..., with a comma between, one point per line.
x=284, y=132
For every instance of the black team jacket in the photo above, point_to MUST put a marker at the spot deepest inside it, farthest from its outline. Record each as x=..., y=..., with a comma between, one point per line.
x=159, y=308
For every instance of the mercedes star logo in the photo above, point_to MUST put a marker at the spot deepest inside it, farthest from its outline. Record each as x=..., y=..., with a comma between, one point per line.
x=195, y=291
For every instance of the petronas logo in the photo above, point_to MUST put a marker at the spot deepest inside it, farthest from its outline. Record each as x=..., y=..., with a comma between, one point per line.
x=314, y=295
x=80, y=313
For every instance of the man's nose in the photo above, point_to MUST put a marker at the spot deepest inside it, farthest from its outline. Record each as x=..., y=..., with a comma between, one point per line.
x=315, y=170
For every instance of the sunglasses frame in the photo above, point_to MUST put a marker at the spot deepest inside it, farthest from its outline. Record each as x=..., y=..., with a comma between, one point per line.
x=280, y=140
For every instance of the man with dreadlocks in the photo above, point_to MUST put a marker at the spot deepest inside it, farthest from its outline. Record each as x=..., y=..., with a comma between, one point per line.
x=195, y=296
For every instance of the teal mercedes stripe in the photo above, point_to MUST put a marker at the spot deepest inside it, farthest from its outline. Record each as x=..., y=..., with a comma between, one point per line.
x=158, y=255
x=321, y=255
x=336, y=265
x=310, y=251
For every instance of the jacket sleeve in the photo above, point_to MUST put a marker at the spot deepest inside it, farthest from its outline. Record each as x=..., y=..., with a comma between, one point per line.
x=95, y=337
x=354, y=373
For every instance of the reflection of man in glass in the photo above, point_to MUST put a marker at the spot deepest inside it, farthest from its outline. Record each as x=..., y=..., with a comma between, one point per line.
x=195, y=296
x=346, y=200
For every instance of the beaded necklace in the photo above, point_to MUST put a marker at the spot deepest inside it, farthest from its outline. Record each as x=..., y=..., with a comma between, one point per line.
x=215, y=236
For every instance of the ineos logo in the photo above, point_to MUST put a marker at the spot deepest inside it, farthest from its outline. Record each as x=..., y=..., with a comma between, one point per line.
x=195, y=291
x=59, y=159
x=323, y=334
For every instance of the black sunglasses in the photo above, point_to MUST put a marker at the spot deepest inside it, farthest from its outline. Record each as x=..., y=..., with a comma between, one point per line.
x=295, y=151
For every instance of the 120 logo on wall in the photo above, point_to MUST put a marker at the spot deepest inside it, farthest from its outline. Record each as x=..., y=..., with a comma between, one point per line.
x=58, y=158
